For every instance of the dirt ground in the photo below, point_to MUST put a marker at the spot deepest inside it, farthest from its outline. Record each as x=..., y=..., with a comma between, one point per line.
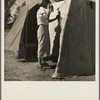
x=15, y=70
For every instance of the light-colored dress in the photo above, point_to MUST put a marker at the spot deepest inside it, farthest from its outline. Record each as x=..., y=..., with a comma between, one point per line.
x=43, y=33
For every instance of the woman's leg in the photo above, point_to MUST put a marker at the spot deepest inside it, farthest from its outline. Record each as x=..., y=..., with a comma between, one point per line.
x=39, y=62
x=40, y=65
x=45, y=63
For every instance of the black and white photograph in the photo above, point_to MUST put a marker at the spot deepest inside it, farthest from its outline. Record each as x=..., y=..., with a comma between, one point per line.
x=49, y=40
x=50, y=50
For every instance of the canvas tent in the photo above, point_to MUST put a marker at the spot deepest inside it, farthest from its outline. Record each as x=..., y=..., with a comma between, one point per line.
x=77, y=43
x=73, y=35
x=14, y=38
x=25, y=30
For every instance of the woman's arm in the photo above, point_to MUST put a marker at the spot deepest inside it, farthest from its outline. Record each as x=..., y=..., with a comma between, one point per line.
x=57, y=17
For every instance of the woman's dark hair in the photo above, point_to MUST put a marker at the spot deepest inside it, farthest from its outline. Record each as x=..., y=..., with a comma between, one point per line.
x=44, y=3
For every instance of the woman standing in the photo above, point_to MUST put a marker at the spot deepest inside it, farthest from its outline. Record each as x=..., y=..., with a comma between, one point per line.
x=43, y=32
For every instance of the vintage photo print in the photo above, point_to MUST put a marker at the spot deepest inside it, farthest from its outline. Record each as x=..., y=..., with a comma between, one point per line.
x=50, y=49
x=49, y=40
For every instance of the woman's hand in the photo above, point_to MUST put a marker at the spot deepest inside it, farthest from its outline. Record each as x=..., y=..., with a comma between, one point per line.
x=51, y=8
x=58, y=16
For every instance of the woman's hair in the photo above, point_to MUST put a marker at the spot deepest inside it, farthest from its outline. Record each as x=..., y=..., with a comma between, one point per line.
x=44, y=3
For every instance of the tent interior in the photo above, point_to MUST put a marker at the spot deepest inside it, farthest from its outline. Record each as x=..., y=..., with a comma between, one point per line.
x=28, y=41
